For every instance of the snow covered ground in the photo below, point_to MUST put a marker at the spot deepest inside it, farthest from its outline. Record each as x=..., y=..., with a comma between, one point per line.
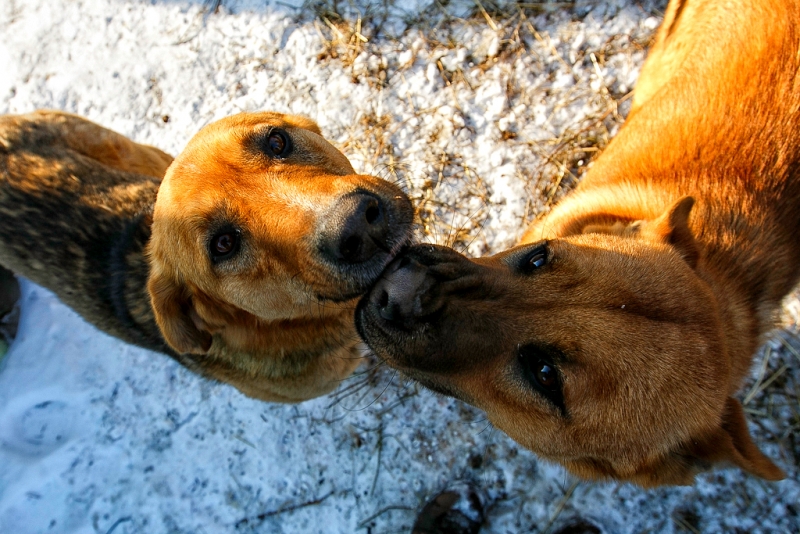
x=485, y=120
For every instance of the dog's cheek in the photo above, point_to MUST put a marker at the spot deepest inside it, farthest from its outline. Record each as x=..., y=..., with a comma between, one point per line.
x=731, y=443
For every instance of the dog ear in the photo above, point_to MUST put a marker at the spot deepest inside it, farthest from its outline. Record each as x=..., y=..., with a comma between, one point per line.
x=175, y=315
x=672, y=228
x=732, y=443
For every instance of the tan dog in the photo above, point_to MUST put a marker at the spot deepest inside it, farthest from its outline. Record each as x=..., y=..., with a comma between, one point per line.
x=615, y=341
x=245, y=259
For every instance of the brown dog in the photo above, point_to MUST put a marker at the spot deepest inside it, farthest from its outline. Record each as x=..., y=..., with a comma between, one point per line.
x=245, y=259
x=615, y=341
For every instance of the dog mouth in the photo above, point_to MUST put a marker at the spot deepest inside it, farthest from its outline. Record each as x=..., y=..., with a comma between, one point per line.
x=359, y=282
x=359, y=236
x=404, y=311
x=390, y=342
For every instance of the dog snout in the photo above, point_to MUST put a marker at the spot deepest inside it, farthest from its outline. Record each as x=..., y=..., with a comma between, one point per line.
x=360, y=229
x=410, y=290
x=364, y=231
x=397, y=296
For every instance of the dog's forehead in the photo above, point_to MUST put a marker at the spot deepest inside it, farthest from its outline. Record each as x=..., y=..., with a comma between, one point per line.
x=224, y=159
x=591, y=298
x=597, y=299
x=234, y=146
x=606, y=267
x=253, y=120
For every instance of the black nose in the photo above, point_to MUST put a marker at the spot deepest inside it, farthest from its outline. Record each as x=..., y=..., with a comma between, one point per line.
x=398, y=294
x=356, y=229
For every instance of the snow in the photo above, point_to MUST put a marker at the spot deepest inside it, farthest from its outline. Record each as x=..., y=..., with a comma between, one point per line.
x=99, y=436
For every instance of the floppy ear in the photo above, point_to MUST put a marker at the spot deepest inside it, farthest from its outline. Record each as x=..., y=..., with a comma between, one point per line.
x=672, y=228
x=732, y=443
x=175, y=315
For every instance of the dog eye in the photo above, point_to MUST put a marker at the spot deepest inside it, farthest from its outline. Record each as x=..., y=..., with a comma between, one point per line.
x=224, y=245
x=278, y=143
x=545, y=375
x=534, y=259
x=542, y=373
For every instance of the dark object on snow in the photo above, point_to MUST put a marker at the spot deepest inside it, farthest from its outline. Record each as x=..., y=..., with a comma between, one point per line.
x=456, y=511
x=579, y=526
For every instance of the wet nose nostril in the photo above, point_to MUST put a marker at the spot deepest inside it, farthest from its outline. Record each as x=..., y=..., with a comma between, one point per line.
x=372, y=214
x=350, y=247
x=356, y=231
x=383, y=300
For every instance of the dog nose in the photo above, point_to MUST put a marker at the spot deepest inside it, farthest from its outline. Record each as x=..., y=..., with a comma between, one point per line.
x=398, y=294
x=412, y=288
x=360, y=229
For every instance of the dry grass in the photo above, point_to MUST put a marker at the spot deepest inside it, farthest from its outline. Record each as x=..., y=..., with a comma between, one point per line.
x=453, y=198
x=443, y=194
x=771, y=397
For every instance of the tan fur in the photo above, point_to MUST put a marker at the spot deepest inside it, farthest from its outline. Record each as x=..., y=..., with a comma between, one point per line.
x=664, y=268
x=87, y=215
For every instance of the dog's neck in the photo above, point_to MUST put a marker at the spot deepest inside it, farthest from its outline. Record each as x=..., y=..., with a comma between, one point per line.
x=706, y=129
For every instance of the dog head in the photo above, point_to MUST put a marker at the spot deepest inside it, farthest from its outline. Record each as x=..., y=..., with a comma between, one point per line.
x=603, y=352
x=260, y=216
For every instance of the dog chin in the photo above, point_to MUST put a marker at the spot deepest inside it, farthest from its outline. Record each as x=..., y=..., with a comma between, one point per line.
x=388, y=344
x=437, y=386
x=385, y=340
